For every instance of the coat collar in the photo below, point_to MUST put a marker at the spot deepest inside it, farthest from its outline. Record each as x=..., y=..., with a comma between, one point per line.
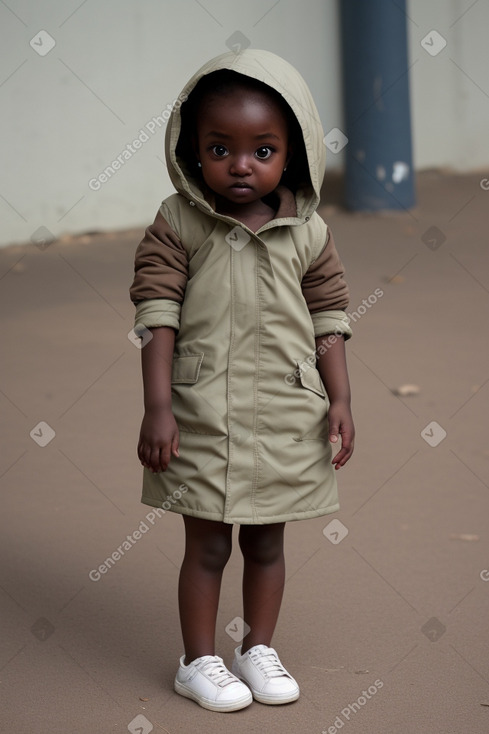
x=287, y=205
x=283, y=202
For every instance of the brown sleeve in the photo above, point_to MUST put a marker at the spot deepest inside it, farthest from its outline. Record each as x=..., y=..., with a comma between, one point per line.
x=323, y=285
x=161, y=265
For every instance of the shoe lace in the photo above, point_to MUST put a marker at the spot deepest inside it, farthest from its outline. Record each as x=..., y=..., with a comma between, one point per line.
x=216, y=671
x=268, y=663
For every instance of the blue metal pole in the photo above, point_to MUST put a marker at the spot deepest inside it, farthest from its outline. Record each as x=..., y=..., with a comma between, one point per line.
x=379, y=169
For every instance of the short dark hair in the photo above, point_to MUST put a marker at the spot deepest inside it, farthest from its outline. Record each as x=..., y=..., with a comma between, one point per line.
x=221, y=83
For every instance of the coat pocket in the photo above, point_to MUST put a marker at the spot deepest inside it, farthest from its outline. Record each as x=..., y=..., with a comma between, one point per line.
x=310, y=378
x=186, y=368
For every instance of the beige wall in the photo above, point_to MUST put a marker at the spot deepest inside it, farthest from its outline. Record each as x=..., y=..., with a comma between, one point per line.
x=116, y=64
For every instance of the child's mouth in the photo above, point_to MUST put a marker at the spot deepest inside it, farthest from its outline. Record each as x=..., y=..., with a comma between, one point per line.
x=240, y=189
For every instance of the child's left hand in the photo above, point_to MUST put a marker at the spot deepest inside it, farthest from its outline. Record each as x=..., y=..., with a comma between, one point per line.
x=341, y=424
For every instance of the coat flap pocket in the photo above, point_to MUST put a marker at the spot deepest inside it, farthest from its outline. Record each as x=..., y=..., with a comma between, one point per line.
x=310, y=378
x=186, y=368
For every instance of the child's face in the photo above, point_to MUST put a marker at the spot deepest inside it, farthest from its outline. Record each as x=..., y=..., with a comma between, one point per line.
x=242, y=145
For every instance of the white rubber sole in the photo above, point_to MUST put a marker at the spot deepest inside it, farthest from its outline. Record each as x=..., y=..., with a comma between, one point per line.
x=206, y=703
x=274, y=700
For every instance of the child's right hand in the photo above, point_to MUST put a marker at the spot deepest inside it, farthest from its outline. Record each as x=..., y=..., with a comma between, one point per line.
x=158, y=439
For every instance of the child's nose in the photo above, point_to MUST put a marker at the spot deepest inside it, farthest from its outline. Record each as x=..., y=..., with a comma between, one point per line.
x=240, y=166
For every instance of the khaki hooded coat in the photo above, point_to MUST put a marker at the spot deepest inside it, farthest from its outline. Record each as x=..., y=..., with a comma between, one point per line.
x=247, y=397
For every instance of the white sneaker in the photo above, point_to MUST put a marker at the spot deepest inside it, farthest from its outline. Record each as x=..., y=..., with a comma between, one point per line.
x=207, y=681
x=262, y=670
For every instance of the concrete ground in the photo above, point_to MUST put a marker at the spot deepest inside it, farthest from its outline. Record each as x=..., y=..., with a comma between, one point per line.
x=384, y=620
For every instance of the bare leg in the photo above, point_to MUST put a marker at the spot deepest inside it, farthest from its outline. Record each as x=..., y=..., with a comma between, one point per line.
x=263, y=580
x=207, y=550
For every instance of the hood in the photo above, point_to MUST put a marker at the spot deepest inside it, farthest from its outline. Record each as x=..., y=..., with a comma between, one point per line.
x=286, y=80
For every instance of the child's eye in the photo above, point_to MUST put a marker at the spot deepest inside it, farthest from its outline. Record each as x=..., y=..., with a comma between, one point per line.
x=264, y=152
x=219, y=150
